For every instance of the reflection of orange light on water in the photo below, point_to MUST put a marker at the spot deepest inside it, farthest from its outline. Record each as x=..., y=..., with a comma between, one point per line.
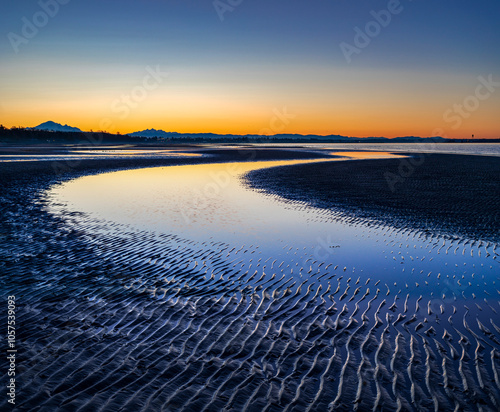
x=188, y=154
x=181, y=179
x=198, y=200
x=95, y=154
x=199, y=196
x=368, y=155
x=134, y=152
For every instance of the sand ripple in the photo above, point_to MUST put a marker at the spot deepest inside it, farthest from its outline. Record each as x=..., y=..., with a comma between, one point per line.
x=114, y=319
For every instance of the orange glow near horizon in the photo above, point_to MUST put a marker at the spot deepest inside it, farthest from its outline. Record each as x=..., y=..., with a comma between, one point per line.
x=177, y=67
x=345, y=124
x=365, y=104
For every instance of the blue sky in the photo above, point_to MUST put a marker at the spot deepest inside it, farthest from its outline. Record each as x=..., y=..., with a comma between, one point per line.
x=229, y=75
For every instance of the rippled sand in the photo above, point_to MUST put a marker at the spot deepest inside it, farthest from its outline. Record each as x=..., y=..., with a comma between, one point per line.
x=113, y=317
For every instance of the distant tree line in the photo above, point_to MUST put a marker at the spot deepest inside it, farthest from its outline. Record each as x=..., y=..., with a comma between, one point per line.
x=22, y=135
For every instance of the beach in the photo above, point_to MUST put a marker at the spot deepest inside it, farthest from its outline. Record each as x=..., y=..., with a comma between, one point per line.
x=111, y=316
x=439, y=193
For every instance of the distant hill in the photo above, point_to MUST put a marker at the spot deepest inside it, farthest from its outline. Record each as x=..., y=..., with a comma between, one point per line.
x=153, y=133
x=163, y=135
x=54, y=133
x=56, y=127
x=415, y=139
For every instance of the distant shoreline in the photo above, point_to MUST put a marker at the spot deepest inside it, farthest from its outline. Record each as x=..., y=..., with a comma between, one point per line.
x=23, y=136
x=127, y=309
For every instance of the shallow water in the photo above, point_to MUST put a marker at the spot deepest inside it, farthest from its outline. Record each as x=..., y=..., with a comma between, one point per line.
x=246, y=301
x=484, y=149
x=74, y=155
x=209, y=203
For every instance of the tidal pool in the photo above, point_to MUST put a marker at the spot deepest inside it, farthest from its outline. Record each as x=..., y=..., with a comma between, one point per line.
x=245, y=300
x=209, y=202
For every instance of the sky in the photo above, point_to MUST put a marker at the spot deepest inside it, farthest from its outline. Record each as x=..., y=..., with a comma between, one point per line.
x=355, y=68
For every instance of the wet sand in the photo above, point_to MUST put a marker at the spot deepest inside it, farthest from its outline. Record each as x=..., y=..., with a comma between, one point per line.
x=136, y=321
x=442, y=194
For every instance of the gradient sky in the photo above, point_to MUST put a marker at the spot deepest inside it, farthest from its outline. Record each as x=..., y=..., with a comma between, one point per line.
x=418, y=76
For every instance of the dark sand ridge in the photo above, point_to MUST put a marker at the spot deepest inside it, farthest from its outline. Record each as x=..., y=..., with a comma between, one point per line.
x=445, y=194
x=97, y=334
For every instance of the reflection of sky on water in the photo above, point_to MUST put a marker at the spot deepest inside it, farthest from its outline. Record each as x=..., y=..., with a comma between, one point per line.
x=367, y=155
x=209, y=203
x=94, y=154
x=490, y=149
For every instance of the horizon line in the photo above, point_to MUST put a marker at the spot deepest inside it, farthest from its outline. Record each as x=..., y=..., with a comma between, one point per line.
x=118, y=133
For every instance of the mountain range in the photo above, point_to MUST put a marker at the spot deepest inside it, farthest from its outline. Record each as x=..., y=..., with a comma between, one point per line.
x=153, y=133
x=161, y=134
